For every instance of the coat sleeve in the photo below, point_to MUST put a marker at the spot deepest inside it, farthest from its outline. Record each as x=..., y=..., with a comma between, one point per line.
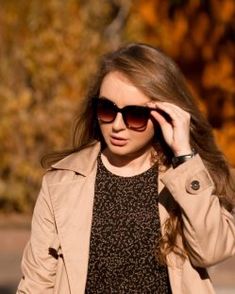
x=208, y=228
x=38, y=267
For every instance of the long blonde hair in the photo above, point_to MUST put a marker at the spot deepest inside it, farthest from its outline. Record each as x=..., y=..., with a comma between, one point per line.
x=159, y=78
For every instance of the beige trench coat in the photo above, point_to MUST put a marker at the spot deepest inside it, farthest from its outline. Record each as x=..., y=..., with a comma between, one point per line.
x=63, y=215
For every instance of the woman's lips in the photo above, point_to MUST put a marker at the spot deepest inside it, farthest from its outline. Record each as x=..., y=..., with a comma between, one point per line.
x=117, y=141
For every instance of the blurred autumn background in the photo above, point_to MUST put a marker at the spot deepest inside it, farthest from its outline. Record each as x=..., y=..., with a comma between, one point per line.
x=49, y=50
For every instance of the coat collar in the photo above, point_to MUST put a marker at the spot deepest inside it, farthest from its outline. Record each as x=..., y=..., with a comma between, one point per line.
x=82, y=161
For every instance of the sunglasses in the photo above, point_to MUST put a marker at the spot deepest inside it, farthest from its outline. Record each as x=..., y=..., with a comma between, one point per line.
x=135, y=117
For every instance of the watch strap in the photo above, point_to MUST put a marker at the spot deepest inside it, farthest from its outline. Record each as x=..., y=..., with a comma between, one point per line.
x=177, y=160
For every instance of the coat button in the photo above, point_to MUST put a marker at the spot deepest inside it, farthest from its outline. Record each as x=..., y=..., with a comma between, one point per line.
x=195, y=185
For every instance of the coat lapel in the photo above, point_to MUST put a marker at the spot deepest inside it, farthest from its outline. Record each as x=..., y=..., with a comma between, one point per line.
x=73, y=222
x=175, y=262
x=72, y=201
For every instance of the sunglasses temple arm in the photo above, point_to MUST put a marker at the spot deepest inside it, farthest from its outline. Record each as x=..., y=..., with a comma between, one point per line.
x=151, y=108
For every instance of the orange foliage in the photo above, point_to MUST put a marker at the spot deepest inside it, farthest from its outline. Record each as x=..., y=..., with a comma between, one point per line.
x=48, y=53
x=199, y=35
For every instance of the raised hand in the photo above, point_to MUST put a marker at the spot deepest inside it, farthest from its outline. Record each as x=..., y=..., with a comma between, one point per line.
x=176, y=131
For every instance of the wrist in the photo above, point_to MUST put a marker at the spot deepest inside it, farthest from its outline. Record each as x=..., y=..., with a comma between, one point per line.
x=183, y=152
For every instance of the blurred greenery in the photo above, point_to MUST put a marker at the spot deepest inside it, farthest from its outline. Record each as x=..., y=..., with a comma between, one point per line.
x=49, y=49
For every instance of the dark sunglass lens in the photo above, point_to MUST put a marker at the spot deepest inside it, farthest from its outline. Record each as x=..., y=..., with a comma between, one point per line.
x=106, y=110
x=136, y=116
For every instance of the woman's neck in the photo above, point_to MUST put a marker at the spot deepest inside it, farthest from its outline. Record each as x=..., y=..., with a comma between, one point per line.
x=127, y=165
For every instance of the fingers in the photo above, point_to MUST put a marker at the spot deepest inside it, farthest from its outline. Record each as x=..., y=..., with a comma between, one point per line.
x=176, y=130
x=177, y=114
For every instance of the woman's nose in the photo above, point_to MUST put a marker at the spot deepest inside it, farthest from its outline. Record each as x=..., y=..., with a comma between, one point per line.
x=118, y=124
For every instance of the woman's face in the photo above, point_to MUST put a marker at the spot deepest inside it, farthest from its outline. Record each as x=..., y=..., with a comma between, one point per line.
x=120, y=140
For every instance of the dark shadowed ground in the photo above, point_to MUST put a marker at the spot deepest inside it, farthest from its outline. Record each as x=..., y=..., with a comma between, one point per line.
x=14, y=233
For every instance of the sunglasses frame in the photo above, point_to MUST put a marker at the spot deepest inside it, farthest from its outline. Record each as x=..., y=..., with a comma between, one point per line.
x=124, y=111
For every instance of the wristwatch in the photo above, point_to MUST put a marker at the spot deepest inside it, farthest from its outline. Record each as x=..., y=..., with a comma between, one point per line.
x=177, y=160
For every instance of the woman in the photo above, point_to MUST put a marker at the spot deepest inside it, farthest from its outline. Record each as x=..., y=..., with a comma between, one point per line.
x=141, y=204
